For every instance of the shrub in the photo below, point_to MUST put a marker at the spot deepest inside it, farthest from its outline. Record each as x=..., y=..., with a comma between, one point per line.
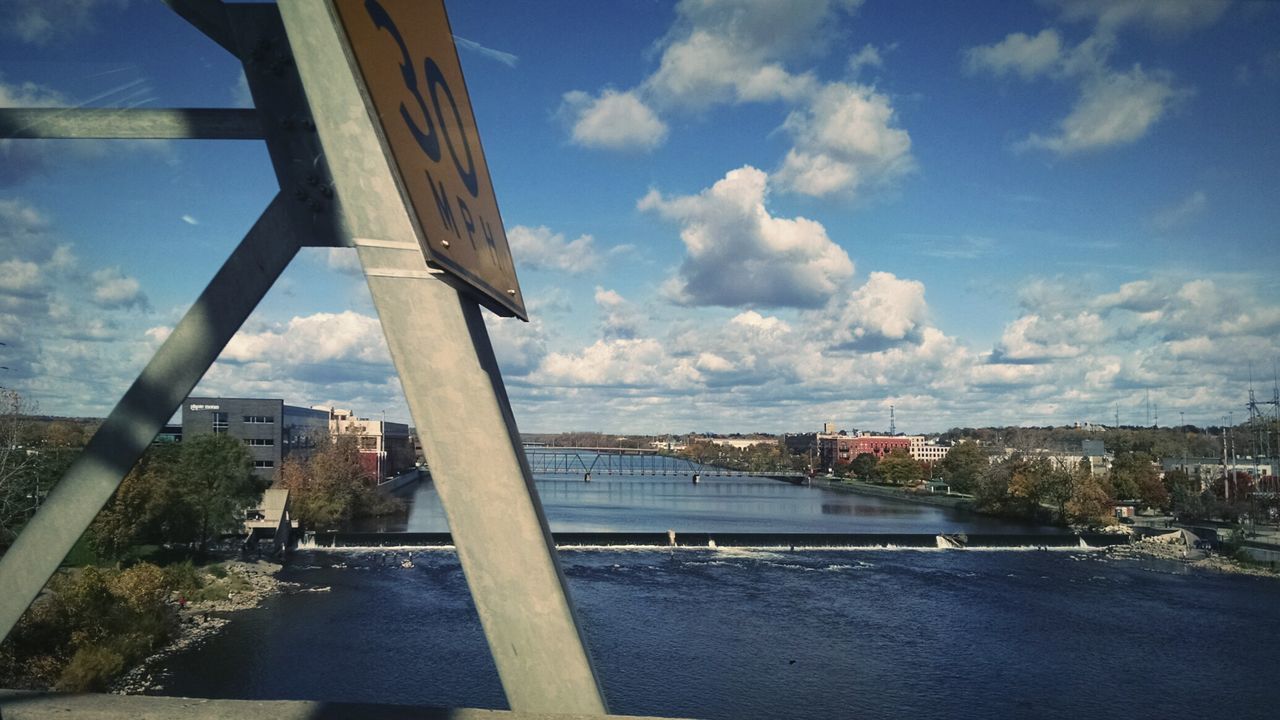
x=90, y=670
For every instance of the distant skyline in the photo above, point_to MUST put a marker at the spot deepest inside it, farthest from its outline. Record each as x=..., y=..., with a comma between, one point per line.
x=731, y=217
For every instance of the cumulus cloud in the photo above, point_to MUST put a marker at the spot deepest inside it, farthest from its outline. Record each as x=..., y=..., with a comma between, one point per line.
x=885, y=311
x=845, y=139
x=69, y=337
x=303, y=340
x=114, y=289
x=739, y=254
x=1114, y=106
x=613, y=121
x=845, y=135
x=541, y=249
x=619, y=318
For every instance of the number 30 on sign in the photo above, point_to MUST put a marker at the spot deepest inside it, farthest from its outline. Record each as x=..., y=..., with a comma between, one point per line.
x=407, y=60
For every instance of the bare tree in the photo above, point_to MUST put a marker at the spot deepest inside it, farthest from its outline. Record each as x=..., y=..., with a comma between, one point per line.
x=19, y=487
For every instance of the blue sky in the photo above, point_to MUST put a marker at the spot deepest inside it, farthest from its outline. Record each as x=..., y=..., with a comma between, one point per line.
x=725, y=216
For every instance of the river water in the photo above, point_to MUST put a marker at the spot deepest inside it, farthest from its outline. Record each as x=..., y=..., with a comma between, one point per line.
x=737, y=633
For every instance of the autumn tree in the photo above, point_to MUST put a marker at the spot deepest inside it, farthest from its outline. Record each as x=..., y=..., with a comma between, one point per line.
x=331, y=487
x=1090, y=503
x=148, y=507
x=1134, y=477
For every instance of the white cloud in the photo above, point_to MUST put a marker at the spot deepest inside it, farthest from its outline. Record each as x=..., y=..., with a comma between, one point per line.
x=884, y=311
x=344, y=260
x=541, y=249
x=845, y=139
x=733, y=53
x=624, y=362
x=708, y=69
x=20, y=278
x=190, y=220
x=619, y=318
x=740, y=254
x=1113, y=109
x=312, y=339
x=868, y=56
x=519, y=346
x=114, y=289
x=1018, y=53
x=612, y=121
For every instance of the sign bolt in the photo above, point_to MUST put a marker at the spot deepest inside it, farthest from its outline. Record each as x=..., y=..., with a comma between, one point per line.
x=444, y=243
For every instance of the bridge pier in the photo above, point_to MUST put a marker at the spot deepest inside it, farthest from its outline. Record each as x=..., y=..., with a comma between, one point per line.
x=696, y=478
x=586, y=477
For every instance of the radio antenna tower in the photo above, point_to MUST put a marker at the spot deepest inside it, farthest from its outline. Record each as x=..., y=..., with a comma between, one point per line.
x=1117, y=416
x=893, y=428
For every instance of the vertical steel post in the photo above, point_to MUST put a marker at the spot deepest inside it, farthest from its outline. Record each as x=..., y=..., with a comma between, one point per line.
x=148, y=404
x=455, y=393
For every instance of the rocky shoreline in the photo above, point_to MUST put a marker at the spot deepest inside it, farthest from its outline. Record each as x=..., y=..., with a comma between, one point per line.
x=1160, y=548
x=199, y=620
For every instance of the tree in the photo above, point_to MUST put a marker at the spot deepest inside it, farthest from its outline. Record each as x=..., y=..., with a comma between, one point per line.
x=148, y=507
x=1058, y=486
x=331, y=487
x=215, y=473
x=1134, y=477
x=20, y=467
x=963, y=465
x=1090, y=504
x=899, y=468
x=864, y=466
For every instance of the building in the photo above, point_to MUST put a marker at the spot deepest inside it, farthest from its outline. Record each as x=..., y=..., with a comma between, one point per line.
x=834, y=450
x=386, y=448
x=269, y=429
x=924, y=451
x=741, y=443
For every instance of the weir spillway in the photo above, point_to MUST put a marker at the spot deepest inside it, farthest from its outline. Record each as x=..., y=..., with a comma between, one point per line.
x=742, y=540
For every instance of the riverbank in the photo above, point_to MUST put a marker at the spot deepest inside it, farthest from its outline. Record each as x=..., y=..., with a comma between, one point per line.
x=246, y=586
x=953, y=502
x=1173, y=546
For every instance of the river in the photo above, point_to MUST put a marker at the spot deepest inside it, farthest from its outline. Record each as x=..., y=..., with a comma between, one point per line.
x=767, y=634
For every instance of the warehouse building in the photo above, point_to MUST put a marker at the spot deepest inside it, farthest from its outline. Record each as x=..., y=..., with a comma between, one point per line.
x=270, y=430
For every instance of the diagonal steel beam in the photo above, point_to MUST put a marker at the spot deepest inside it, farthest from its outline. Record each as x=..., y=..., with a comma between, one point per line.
x=455, y=394
x=148, y=404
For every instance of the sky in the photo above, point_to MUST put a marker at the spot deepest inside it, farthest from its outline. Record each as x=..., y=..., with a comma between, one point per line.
x=725, y=216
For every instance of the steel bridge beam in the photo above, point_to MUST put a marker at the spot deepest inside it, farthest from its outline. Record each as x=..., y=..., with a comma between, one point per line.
x=148, y=404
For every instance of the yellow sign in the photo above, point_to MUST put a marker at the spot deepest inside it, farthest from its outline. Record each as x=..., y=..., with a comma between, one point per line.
x=407, y=59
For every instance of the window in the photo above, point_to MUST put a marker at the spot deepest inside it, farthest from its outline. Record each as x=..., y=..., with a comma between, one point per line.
x=219, y=423
x=264, y=463
x=259, y=442
x=259, y=419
